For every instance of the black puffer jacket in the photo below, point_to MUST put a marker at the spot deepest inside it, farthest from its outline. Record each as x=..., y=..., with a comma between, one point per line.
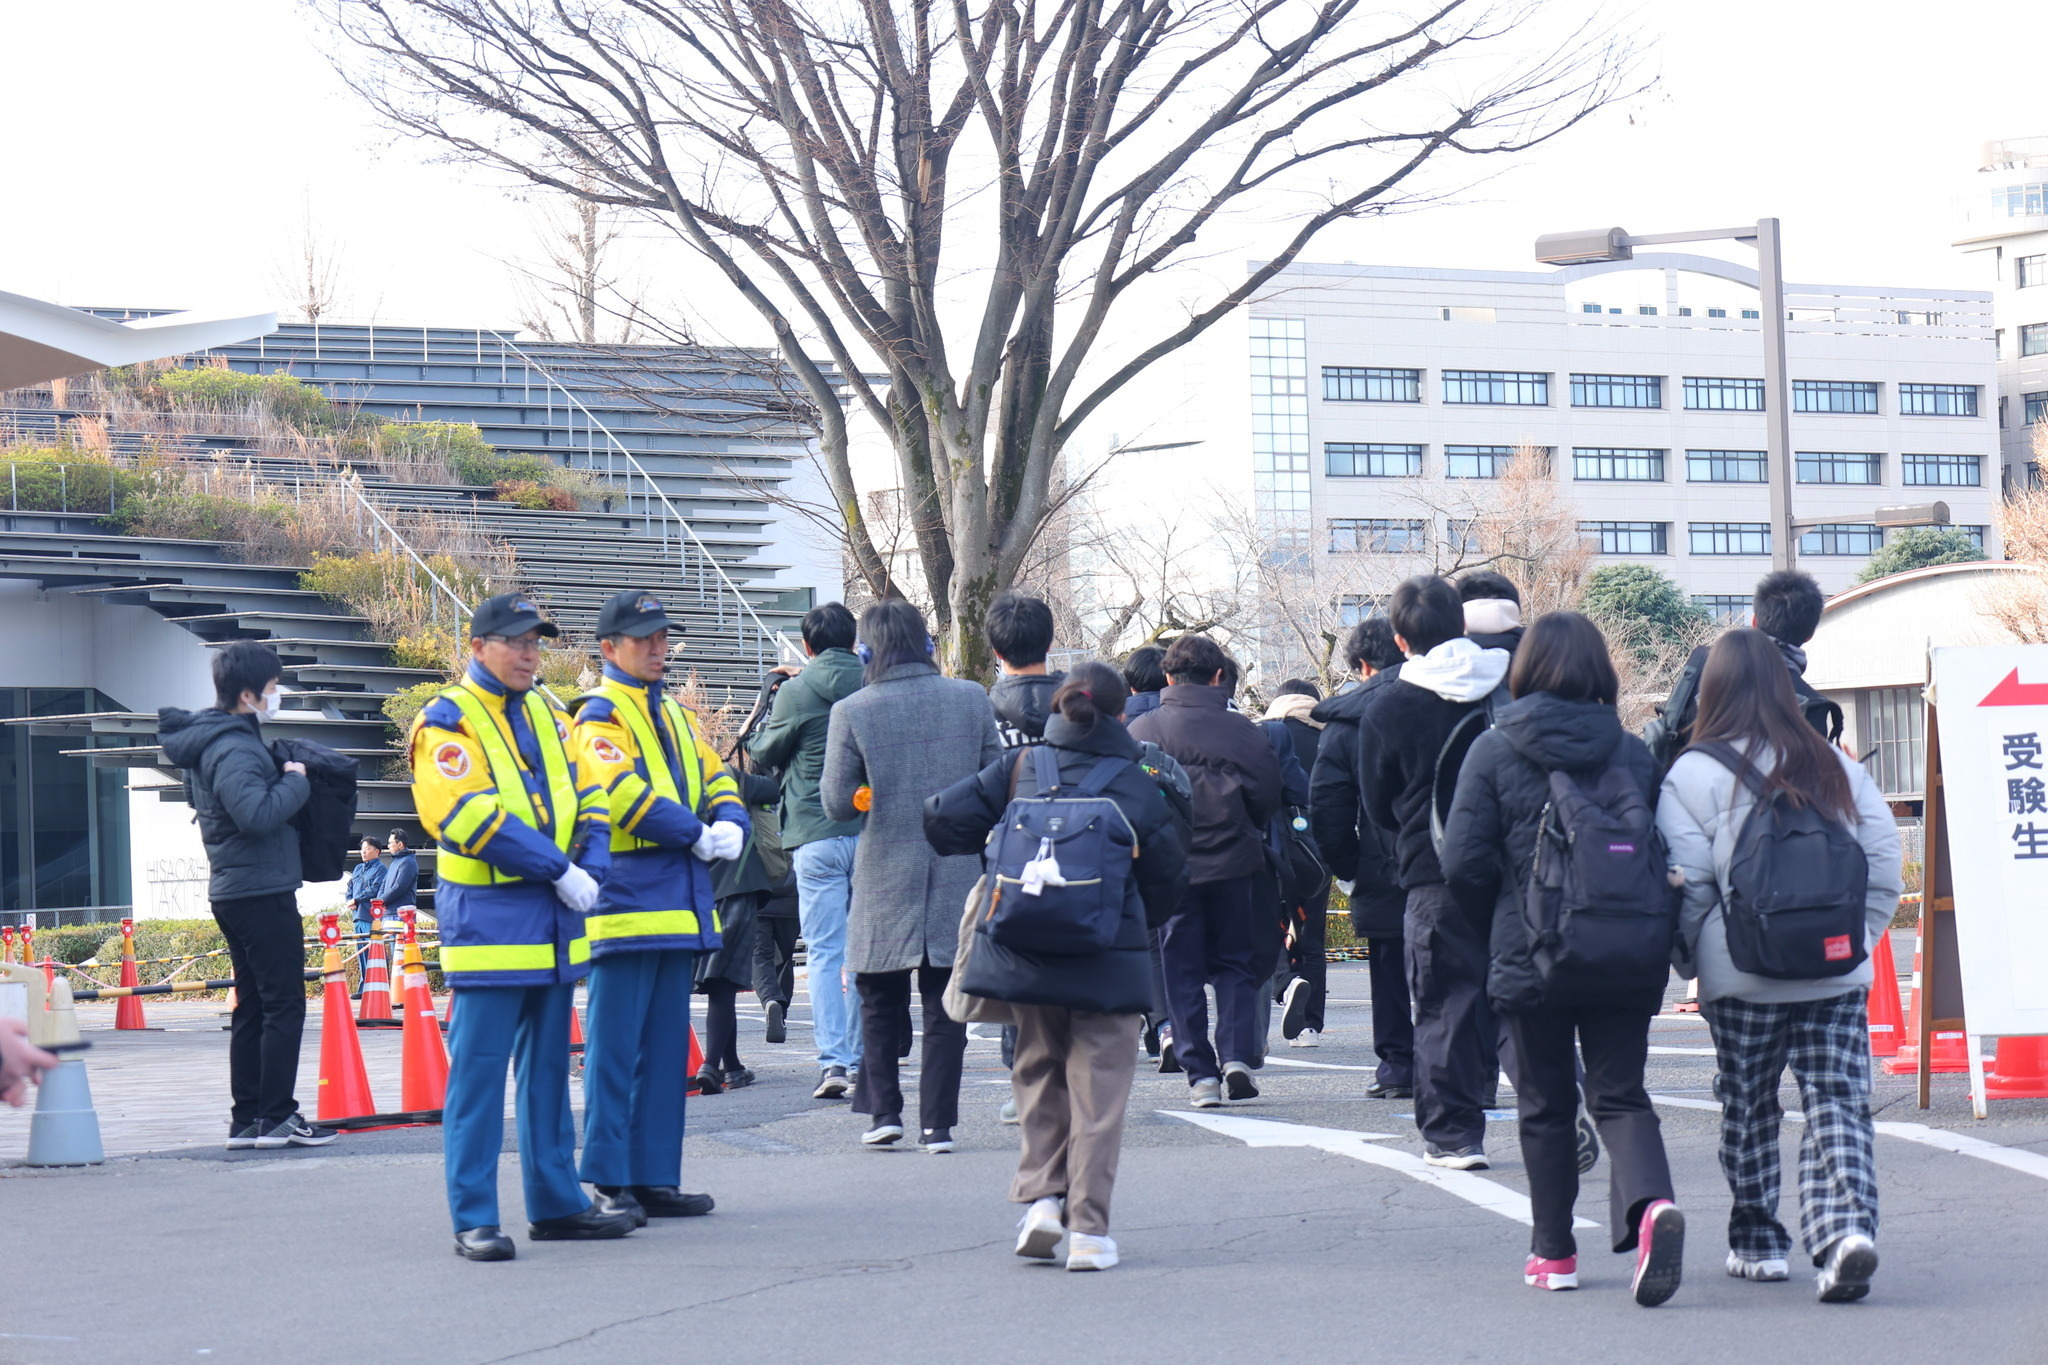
x=1490, y=838
x=244, y=803
x=1236, y=778
x=1357, y=850
x=1118, y=980
x=1022, y=701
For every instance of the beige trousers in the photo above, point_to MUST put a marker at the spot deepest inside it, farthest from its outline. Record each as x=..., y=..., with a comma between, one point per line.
x=1072, y=1081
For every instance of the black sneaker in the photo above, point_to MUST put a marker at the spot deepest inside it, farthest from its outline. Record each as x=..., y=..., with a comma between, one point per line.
x=888, y=1129
x=1169, y=1064
x=1454, y=1158
x=708, y=1082
x=240, y=1139
x=832, y=1084
x=1378, y=1091
x=738, y=1080
x=1589, y=1142
x=1294, y=1008
x=938, y=1141
x=777, y=1031
x=296, y=1132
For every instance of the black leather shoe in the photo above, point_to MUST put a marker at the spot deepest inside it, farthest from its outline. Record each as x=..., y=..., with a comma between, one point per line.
x=484, y=1244
x=666, y=1201
x=707, y=1082
x=777, y=1030
x=618, y=1199
x=1376, y=1091
x=591, y=1225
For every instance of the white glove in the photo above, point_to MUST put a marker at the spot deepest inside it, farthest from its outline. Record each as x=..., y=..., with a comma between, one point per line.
x=732, y=840
x=706, y=847
x=578, y=889
x=1345, y=887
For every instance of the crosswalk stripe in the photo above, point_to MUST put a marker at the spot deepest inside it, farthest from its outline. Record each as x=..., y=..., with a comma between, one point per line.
x=2012, y=1158
x=1473, y=1189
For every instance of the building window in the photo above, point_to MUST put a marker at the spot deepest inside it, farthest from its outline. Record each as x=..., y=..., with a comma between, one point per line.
x=1892, y=724
x=1842, y=538
x=1352, y=460
x=1685, y=312
x=1476, y=462
x=1724, y=395
x=1508, y=387
x=1461, y=535
x=1647, y=310
x=1280, y=451
x=1975, y=533
x=1937, y=400
x=2020, y=201
x=1730, y=537
x=1833, y=395
x=1378, y=536
x=1628, y=537
x=2035, y=409
x=1589, y=308
x=1355, y=608
x=1617, y=391
x=1725, y=466
x=1355, y=384
x=1614, y=464
x=1717, y=312
x=2034, y=338
x=1820, y=466
x=1950, y=471
x=2029, y=271
x=1729, y=607
x=1752, y=314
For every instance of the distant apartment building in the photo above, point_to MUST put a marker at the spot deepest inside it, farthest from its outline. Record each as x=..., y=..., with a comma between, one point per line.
x=1383, y=398
x=2005, y=225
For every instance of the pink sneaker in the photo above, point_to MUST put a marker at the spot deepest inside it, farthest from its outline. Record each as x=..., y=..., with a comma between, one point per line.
x=1542, y=1274
x=1660, y=1253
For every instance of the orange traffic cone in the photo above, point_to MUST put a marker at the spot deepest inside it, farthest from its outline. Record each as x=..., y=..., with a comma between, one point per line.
x=425, y=1077
x=1951, y=1052
x=128, y=1013
x=376, y=1009
x=575, y=1027
x=696, y=1063
x=344, y=1083
x=2020, y=1071
x=1887, y=1024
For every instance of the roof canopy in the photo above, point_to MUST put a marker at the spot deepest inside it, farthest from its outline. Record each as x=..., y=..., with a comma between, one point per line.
x=42, y=341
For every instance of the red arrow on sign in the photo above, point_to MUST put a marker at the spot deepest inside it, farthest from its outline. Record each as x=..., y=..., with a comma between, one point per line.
x=2012, y=692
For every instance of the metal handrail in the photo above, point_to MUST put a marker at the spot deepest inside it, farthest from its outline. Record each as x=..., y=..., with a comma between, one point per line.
x=354, y=484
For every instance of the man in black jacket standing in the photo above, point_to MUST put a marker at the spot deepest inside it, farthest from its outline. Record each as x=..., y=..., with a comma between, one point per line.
x=1020, y=634
x=1208, y=940
x=245, y=802
x=1360, y=853
x=1401, y=738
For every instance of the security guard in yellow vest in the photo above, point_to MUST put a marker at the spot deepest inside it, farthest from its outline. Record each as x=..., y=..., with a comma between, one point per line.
x=674, y=811
x=521, y=850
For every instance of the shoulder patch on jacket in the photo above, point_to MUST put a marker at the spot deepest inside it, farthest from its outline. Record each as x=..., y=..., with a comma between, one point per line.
x=594, y=708
x=451, y=760
x=442, y=714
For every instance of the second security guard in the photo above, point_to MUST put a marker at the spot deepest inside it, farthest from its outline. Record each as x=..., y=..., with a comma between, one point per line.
x=675, y=810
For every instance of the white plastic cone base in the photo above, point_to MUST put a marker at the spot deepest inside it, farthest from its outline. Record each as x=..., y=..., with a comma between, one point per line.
x=65, y=1131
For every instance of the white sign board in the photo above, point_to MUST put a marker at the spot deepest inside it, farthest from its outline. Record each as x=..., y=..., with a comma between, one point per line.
x=1992, y=703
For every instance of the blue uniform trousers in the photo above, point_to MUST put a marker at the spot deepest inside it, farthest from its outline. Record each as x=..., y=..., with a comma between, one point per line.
x=636, y=1063
x=528, y=1026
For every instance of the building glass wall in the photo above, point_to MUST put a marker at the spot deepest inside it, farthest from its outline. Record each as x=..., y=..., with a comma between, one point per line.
x=63, y=822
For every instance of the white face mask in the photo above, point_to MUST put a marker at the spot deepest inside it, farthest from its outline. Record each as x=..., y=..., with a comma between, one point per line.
x=270, y=703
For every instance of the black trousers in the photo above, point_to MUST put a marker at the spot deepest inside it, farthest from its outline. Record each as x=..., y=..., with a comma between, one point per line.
x=775, y=959
x=1209, y=941
x=1393, y=1025
x=1456, y=1052
x=721, y=1025
x=885, y=1040
x=263, y=934
x=1616, y=1043
x=1307, y=953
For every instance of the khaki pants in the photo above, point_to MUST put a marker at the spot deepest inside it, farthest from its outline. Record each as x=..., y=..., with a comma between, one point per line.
x=1072, y=1081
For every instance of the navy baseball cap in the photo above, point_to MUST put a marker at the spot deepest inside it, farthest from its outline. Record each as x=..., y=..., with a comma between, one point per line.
x=634, y=613
x=510, y=614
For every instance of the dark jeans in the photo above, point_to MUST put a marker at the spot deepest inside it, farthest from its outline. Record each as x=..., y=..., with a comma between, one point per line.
x=263, y=934
x=1306, y=956
x=885, y=1041
x=1455, y=1047
x=774, y=959
x=1393, y=1025
x=1616, y=1043
x=1208, y=941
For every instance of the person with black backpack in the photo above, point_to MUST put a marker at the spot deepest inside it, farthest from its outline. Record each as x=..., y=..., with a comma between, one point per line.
x=1553, y=827
x=1085, y=850
x=1791, y=863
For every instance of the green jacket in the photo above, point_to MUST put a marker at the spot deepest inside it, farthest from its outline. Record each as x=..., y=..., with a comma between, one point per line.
x=793, y=741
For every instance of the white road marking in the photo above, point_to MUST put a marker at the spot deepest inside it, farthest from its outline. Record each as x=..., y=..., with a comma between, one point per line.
x=2012, y=1158
x=1319, y=1066
x=1473, y=1189
x=1681, y=1051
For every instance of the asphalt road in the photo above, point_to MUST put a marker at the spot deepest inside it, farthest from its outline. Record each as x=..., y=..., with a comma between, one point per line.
x=1277, y=1233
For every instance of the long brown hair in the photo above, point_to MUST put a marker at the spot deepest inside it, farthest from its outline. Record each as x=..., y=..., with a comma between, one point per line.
x=1746, y=695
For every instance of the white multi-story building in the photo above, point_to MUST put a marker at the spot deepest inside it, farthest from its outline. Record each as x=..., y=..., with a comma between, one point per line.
x=2005, y=224
x=1383, y=397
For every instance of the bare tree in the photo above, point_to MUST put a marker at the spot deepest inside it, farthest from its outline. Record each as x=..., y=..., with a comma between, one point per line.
x=572, y=295
x=963, y=199
x=311, y=275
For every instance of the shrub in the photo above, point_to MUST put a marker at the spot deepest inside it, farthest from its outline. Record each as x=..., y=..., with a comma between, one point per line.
x=1640, y=606
x=539, y=497
x=392, y=590
x=404, y=705
x=281, y=396
x=439, y=647
x=65, y=478
x=1917, y=547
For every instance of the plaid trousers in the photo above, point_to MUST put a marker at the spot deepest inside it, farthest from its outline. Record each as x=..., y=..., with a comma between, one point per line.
x=1827, y=1044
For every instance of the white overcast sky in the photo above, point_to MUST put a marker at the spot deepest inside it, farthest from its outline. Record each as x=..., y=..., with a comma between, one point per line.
x=165, y=154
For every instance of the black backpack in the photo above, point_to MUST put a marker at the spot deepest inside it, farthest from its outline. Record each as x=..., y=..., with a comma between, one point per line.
x=325, y=822
x=1450, y=759
x=1794, y=905
x=1061, y=861
x=1670, y=730
x=1599, y=908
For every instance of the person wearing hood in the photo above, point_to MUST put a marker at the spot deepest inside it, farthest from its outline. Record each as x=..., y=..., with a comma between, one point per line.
x=1360, y=854
x=1562, y=719
x=1493, y=609
x=1020, y=633
x=243, y=801
x=1400, y=739
x=1304, y=889
x=1146, y=679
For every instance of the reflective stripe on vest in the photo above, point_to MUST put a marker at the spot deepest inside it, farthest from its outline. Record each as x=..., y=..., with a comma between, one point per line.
x=649, y=924
x=496, y=957
x=661, y=779
x=508, y=775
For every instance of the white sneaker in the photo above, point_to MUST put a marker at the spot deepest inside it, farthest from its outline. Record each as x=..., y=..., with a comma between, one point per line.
x=1090, y=1253
x=1008, y=1113
x=1456, y=1158
x=1308, y=1037
x=1770, y=1269
x=1040, y=1229
x=1206, y=1094
x=1844, y=1273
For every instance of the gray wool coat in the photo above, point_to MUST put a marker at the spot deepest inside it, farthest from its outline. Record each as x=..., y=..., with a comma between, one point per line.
x=908, y=735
